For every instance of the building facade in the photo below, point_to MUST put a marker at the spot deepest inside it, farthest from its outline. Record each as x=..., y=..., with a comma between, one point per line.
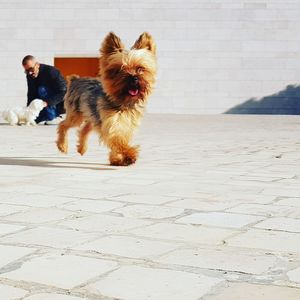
x=213, y=56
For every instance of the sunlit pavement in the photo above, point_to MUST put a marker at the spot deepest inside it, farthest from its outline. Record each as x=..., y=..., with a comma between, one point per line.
x=211, y=210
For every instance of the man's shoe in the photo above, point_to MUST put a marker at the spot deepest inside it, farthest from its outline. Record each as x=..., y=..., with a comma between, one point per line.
x=55, y=121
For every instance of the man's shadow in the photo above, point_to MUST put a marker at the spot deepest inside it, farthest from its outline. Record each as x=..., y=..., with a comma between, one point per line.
x=34, y=162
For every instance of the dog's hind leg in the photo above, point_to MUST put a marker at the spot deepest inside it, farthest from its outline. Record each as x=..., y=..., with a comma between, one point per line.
x=73, y=120
x=62, y=139
x=83, y=134
x=12, y=118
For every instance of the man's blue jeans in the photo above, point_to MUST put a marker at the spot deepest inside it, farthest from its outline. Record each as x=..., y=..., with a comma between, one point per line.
x=48, y=113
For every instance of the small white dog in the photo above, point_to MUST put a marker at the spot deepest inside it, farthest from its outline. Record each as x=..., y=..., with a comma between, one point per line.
x=24, y=115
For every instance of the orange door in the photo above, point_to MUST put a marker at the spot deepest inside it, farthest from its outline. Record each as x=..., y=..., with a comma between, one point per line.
x=82, y=66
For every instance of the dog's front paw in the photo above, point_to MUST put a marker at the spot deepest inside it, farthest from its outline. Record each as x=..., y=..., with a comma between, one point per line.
x=122, y=161
x=62, y=147
x=115, y=159
x=126, y=158
x=81, y=149
x=30, y=123
x=129, y=160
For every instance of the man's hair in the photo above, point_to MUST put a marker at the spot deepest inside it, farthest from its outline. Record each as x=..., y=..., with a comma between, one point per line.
x=26, y=59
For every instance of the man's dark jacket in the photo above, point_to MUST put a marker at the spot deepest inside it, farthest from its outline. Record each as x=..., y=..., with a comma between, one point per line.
x=51, y=78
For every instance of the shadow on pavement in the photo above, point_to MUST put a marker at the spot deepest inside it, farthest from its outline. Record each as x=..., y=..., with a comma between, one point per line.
x=31, y=162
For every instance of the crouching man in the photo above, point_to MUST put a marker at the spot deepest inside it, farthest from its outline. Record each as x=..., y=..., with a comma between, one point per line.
x=46, y=83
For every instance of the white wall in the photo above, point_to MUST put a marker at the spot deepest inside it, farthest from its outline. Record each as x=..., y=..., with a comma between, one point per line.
x=212, y=55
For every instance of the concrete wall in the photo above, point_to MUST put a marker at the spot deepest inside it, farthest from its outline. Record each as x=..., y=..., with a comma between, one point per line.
x=213, y=55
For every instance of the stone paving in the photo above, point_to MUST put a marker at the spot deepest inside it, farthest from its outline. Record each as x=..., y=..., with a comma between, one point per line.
x=210, y=211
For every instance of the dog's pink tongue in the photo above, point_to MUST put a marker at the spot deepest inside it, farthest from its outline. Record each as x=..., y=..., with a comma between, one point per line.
x=133, y=92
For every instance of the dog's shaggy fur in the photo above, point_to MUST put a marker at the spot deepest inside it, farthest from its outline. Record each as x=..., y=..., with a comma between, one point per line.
x=113, y=104
x=24, y=115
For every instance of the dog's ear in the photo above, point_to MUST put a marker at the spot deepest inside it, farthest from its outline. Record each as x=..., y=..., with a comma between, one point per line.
x=111, y=44
x=145, y=41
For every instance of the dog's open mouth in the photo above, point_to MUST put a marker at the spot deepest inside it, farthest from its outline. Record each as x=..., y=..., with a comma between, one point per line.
x=133, y=92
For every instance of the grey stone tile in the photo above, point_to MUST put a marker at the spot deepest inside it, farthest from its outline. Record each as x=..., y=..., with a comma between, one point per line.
x=149, y=211
x=7, y=209
x=39, y=215
x=8, y=228
x=281, y=224
x=270, y=240
x=49, y=237
x=221, y=259
x=46, y=296
x=9, y=292
x=294, y=275
x=184, y=233
x=96, y=206
x=12, y=253
x=128, y=246
x=35, y=200
x=64, y=271
x=104, y=223
x=245, y=291
x=289, y=202
x=147, y=198
x=261, y=209
x=134, y=282
x=219, y=219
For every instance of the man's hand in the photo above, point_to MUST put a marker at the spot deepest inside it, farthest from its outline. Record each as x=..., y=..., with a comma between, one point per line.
x=45, y=104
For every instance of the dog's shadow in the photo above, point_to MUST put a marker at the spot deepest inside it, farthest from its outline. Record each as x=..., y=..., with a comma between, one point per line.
x=42, y=163
x=7, y=124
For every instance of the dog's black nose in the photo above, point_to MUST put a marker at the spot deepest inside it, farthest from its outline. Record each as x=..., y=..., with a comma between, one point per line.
x=135, y=79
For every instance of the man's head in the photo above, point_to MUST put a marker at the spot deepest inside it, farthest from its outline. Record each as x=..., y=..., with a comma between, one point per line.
x=31, y=66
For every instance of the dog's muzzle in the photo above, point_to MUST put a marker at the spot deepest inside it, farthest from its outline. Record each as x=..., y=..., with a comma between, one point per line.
x=134, y=87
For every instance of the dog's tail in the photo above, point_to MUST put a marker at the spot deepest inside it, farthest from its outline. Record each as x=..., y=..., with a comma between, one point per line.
x=5, y=115
x=72, y=77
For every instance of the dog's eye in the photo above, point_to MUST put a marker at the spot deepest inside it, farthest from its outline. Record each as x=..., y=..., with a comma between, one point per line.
x=140, y=70
x=113, y=73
